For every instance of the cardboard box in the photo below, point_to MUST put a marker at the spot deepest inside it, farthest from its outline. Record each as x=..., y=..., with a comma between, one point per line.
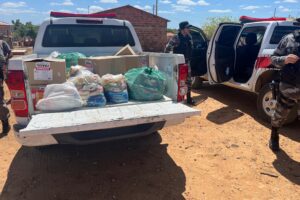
x=46, y=71
x=135, y=61
x=127, y=50
x=113, y=64
x=37, y=93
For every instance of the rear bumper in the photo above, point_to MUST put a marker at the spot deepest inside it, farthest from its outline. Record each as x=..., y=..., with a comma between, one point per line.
x=88, y=137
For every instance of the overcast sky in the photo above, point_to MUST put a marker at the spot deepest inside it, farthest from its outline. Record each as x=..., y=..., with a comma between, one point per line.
x=195, y=11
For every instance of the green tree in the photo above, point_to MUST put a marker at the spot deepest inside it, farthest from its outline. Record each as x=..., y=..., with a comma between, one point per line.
x=24, y=30
x=172, y=30
x=212, y=24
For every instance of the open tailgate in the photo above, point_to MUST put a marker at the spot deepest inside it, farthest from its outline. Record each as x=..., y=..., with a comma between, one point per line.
x=108, y=117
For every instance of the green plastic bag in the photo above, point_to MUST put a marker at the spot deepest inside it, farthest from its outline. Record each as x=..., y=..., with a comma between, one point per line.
x=145, y=84
x=71, y=58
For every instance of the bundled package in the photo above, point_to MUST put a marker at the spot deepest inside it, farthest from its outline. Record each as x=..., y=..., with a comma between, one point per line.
x=115, y=88
x=60, y=97
x=145, y=84
x=88, y=85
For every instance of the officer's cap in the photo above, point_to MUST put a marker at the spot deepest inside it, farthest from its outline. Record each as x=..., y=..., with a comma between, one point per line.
x=183, y=25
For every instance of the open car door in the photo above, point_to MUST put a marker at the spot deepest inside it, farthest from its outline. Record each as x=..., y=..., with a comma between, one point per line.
x=199, y=50
x=221, y=52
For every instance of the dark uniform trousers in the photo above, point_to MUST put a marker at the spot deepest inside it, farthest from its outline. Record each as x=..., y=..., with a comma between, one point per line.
x=4, y=112
x=288, y=98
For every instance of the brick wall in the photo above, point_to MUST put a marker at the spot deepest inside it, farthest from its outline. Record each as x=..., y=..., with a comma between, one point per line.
x=5, y=30
x=151, y=30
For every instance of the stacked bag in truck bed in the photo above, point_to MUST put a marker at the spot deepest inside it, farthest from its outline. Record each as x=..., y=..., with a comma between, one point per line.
x=60, y=97
x=115, y=88
x=88, y=85
x=146, y=84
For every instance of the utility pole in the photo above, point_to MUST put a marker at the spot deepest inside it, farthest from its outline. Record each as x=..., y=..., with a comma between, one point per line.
x=275, y=12
x=156, y=7
x=153, y=12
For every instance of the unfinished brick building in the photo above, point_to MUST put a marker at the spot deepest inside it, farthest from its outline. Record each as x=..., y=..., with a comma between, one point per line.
x=151, y=29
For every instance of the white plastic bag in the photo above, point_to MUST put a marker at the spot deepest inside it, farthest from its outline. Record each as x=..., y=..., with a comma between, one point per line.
x=60, y=97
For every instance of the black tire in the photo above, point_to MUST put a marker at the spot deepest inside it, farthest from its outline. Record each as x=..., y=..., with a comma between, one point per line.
x=263, y=96
x=197, y=82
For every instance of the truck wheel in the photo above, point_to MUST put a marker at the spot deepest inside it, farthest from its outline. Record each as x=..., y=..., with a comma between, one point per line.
x=197, y=82
x=266, y=105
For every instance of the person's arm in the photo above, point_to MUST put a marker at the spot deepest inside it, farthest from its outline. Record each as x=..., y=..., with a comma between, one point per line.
x=280, y=57
x=171, y=44
x=7, y=51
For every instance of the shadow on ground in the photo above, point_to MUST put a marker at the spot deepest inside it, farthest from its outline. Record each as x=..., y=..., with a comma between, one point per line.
x=128, y=169
x=288, y=167
x=238, y=102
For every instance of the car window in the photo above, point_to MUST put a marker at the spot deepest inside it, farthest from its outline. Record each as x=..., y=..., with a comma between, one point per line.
x=228, y=35
x=280, y=32
x=257, y=32
x=197, y=38
x=87, y=36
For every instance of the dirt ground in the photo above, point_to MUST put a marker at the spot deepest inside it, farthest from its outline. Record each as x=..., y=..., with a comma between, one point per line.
x=221, y=154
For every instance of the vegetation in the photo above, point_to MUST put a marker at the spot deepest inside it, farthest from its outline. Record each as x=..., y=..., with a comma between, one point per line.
x=212, y=24
x=172, y=30
x=21, y=30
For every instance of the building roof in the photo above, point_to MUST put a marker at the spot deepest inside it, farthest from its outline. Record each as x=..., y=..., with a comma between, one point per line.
x=4, y=24
x=132, y=7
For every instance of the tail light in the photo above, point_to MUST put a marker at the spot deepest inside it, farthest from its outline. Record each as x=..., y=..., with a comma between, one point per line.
x=263, y=62
x=16, y=85
x=183, y=71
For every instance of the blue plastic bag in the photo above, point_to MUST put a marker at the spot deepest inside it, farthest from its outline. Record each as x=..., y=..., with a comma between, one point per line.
x=96, y=101
x=117, y=97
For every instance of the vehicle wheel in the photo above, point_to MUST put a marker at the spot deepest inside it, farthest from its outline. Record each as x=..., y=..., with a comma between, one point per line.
x=197, y=82
x=266, y=105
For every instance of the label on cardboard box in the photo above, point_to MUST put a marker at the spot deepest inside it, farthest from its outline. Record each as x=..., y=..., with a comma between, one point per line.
x=43, y=71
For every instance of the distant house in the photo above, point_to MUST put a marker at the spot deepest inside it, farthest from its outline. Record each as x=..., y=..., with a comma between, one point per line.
x=6, y=32
x=151, y=29
x=5, y=29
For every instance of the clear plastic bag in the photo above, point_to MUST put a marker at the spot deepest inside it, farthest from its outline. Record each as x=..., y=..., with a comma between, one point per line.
x=114, y=83
x=88, y=85
x=60, y=97
x=115, y=88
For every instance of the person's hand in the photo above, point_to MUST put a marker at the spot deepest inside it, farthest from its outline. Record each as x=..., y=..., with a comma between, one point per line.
x=291, y=59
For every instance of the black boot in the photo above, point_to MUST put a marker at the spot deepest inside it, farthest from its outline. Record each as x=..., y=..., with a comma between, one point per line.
x=5, y=127
x=274, y=140
x=190, y=101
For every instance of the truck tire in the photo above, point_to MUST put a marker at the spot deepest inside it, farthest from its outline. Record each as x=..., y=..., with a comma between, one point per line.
x=197, y=82
x=266, y=105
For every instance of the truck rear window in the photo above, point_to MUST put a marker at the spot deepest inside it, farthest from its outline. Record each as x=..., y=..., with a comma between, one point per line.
x=87, y=36
x=281, y=31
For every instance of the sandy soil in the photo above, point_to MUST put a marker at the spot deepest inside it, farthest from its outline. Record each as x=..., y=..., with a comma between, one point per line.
x=221, y=154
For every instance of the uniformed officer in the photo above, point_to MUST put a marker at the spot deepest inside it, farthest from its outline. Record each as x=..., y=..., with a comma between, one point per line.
x=286, y=58
x=182, y=44
x=5, y=54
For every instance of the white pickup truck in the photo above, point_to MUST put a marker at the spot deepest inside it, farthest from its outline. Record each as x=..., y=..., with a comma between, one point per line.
x=77, y=33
